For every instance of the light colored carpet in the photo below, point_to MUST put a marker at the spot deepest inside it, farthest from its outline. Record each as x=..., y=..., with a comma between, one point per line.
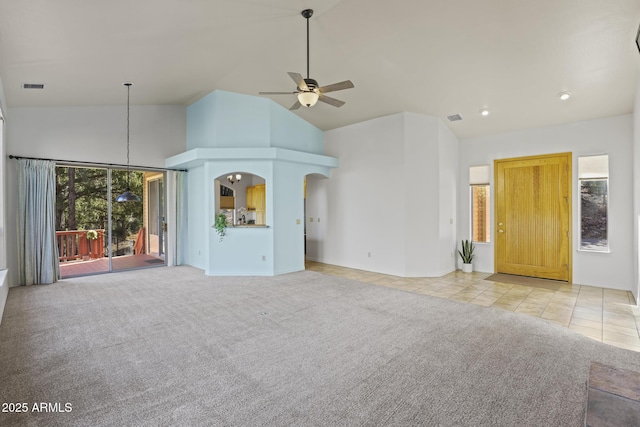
x=170, y=346
x=552, y=285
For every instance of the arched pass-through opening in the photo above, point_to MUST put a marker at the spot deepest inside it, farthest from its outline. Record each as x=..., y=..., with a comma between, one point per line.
x=241, y=197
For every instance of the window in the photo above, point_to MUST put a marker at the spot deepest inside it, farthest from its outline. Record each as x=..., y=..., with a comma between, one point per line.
x=480, y=204
x=593, y=175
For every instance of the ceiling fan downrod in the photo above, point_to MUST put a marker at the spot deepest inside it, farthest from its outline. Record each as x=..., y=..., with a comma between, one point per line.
x=307, y=13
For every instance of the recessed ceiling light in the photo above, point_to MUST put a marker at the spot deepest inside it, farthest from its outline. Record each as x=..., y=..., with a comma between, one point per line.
x=564, y=96
x=484, y=112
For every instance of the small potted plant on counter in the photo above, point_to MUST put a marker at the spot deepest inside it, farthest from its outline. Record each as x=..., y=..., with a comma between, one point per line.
x=467, y=256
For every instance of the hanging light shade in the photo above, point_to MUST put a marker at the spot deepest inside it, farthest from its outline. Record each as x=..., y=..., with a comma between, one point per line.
x=128, y=196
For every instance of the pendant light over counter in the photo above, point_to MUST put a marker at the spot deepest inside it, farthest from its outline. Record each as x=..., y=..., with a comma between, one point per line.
x=128, y=196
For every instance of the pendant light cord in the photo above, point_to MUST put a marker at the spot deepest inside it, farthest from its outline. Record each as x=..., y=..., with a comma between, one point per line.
x=128, y=172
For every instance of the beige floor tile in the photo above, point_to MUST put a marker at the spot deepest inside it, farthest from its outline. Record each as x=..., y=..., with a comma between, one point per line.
x=470, y=293
x=623, y=309
x=560, y=305
x=541, y=299
x=587, y=315
x=560, y=297
x=596, y=310
x=479, y=286
x=494, y=293
x=618, y=319
x=592, y=289
x=565, y=317
x=593, y=324
x=532, y=304
x=535, y=311
x=445, y=293
x=589, y=332
x=615, y=293
x=519, y=289
x=483, y=300
x=461, y=298
x=507, y=300
x=623, y=330
x=559, y=310
x=590, y=306
x=506, y=305
x=557, y=321
x=620, y=338
x=588, y=296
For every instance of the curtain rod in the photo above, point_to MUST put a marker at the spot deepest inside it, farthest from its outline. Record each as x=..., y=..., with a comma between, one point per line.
x=77, y=162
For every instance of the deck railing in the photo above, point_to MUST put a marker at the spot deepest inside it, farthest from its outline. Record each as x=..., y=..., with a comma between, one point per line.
x=74, y=244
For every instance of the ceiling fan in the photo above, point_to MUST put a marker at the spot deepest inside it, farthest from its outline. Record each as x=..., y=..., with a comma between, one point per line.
x=308, y=90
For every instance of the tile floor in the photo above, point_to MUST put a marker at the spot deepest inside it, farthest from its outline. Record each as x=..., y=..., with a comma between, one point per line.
x=605, y=315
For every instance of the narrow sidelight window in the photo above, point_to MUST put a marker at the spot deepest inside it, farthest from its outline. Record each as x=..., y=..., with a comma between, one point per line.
x=593, y=175
x=480, y=204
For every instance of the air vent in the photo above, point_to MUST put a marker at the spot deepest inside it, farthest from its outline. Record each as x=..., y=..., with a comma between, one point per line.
x=32, y=85
x=454, y=117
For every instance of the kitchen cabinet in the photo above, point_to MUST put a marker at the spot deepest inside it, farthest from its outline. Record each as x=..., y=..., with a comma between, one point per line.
x=251, y=201
x=227, y=202
x=257, y=201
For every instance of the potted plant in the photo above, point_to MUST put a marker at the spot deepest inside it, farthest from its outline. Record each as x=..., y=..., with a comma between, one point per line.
x=221, y=225
x=467, y=256
x=92, y=237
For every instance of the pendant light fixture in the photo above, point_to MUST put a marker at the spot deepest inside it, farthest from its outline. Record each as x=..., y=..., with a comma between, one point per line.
x=234, y=178
x=128, y=196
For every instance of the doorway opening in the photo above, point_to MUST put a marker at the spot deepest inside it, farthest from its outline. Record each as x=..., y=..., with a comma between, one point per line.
x=95, y=234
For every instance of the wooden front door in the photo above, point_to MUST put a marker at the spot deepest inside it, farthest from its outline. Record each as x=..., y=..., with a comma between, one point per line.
x=533, y=216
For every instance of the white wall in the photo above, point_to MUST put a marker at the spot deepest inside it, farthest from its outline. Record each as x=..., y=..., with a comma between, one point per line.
x=636, y=196
x=612, y=136
x=391, y=200
x=91, y=134
x=448, y=179
x=4, y=283
x=365, y=197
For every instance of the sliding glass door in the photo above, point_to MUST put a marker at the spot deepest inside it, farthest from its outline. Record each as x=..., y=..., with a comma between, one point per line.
x=97, y=234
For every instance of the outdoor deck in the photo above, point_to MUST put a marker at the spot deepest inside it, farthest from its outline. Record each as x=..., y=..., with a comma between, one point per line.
x=101, y=265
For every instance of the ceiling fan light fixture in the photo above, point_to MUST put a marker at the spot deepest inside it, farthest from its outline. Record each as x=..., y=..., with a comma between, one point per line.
x=308, y=99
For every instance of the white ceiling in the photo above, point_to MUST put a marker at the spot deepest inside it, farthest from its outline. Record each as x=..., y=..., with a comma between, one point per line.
x=434, y=57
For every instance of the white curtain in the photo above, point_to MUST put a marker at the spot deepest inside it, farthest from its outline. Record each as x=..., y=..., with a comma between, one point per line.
x=181, y=217
x=37, y=248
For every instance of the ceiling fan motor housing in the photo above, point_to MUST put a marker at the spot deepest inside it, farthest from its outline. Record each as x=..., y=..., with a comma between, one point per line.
x=311, y=84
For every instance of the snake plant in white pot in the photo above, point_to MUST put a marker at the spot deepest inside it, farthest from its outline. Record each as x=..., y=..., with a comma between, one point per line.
x=466, y=253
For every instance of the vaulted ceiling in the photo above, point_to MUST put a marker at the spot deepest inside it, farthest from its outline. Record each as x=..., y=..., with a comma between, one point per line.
x=434, y=57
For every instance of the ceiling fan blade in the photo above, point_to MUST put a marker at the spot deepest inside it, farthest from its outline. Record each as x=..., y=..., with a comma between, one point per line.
x=295, y=106
x=336, y=86
x=331, y=101
x=277, y=93
x=299, y=81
